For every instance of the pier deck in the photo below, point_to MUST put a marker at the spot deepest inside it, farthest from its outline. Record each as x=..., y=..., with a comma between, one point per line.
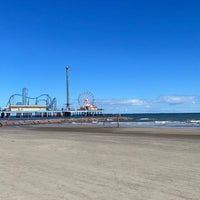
x=55, y=113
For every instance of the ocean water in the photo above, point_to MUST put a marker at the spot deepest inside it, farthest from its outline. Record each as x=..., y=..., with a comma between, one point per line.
x=162, y=120
x=181, y=120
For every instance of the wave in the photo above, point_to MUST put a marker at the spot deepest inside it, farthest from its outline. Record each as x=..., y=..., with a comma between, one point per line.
x=195, y=121
x=167, y=124
x=144, y=119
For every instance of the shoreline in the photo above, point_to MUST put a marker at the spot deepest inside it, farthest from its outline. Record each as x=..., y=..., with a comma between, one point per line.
x=179, y=133
x=131, y=131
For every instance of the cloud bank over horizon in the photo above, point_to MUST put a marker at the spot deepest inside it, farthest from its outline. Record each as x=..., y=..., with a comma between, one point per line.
x=164, y=103
x=178, y=99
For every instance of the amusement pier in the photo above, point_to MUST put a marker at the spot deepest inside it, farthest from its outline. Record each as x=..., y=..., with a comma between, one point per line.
x=43, y=106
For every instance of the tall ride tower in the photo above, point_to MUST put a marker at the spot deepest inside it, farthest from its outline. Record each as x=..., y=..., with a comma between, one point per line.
x=67, y=87
x=24, y=96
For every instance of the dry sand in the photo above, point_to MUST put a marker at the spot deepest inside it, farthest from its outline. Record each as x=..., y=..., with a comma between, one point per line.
x=99, y=163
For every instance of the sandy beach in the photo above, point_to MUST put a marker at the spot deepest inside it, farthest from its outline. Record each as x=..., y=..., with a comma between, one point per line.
x=82, y=163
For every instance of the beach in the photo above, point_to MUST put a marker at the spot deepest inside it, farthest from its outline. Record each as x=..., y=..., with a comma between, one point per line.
x=81, y=163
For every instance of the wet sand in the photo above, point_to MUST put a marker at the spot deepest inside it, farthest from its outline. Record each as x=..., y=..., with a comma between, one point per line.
x=47, y=163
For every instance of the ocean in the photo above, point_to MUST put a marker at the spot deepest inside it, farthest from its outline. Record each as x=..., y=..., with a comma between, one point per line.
x=162, y=120
x=176, y=120
x=165, y=120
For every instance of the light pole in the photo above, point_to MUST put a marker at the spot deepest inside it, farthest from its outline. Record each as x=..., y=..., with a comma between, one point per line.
x=67, y=86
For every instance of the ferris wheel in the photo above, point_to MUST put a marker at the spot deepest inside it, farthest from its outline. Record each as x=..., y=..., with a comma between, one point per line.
x=85, y=99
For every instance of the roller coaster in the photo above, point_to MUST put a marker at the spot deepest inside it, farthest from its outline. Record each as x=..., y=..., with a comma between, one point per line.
x=50, y=103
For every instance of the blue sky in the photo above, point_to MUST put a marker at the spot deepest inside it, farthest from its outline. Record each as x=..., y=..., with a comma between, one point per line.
x=134, y=56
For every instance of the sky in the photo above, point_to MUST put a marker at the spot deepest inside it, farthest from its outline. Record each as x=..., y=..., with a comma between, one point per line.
x=133, y=56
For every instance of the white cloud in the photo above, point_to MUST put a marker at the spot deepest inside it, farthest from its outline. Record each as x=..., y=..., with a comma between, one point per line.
x=167, y=99
x=177, y=99
x=122, y=105
x=133, y=102
x=164, y=103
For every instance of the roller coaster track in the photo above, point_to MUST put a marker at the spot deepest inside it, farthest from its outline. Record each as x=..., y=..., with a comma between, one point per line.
x=50, y=103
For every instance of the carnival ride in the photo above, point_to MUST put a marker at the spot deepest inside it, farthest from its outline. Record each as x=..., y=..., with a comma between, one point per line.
x=43, y=99
x=86, y=101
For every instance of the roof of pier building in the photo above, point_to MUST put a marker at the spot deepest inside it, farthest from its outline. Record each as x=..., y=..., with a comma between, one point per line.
x=33, y=107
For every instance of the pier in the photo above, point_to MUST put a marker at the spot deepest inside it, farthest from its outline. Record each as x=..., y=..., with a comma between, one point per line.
x=43, y=106
x=49, y=114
